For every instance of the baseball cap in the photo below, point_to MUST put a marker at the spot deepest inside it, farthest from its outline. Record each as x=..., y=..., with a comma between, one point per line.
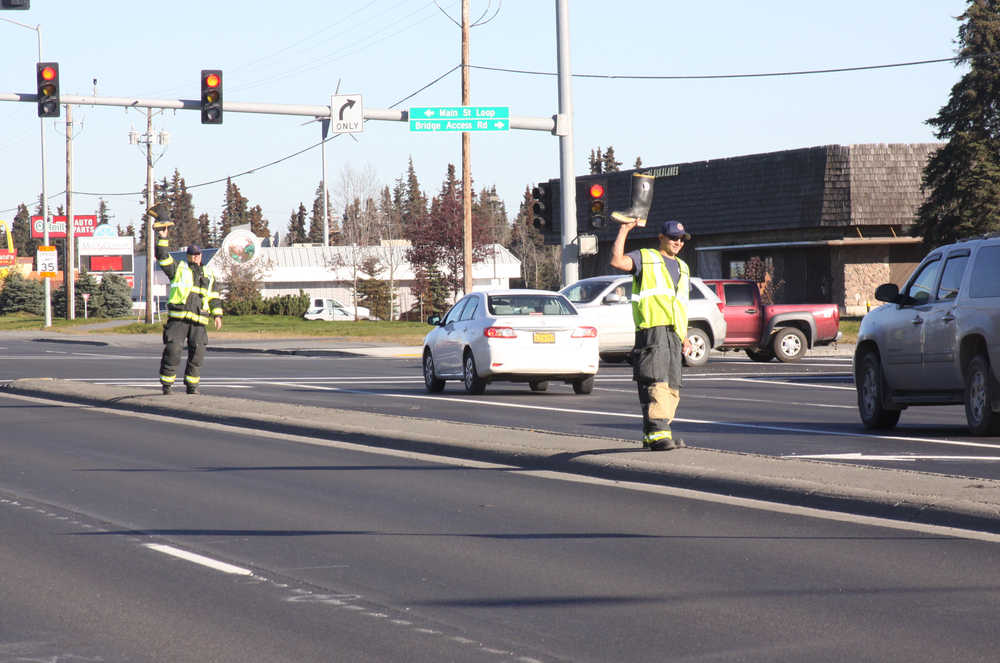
x=674, y=230
x=193, y=250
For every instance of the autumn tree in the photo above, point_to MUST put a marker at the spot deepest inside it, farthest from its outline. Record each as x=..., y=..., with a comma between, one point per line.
x=540, y=266
x=962, y=178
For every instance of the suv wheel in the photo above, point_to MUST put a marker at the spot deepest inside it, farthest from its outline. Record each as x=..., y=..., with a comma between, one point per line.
x=584, y=385
x=979, y=398
x=473, y=383
x=539, y=385
x=434, y=384
x=870, y=388
x=789, y=344
x=698, y=356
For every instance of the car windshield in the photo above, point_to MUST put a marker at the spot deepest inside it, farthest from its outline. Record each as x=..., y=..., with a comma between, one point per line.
x=537, y=304
x=584, y=292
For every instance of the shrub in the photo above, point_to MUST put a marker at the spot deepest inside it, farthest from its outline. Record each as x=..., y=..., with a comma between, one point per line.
x=21, y=294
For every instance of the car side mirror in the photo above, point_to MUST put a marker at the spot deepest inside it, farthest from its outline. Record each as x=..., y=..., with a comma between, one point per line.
x=887, y=292
x=614, y=298
x=434, y=320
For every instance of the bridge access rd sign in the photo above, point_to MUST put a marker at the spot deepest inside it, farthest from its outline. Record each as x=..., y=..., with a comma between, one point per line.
x=459, y=118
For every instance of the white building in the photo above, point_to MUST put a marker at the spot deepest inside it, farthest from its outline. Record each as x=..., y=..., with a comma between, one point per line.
x=328, y=271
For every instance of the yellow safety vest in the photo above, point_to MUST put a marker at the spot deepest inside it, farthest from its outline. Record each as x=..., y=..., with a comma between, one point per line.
x=656, y=301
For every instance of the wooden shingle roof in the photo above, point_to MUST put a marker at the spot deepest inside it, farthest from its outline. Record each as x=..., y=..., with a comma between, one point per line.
x=830, y=185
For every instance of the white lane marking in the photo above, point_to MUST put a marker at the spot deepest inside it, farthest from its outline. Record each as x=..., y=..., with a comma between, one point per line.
x=767, y=380
x=626, y=415
x=689, y=396
x=198, y=559
x=893, y=457
x=685, y=493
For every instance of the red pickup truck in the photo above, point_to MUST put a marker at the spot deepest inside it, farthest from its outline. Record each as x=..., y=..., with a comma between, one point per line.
x=784, y=331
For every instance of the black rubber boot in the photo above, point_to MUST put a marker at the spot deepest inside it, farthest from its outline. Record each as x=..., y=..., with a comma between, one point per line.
x=160, y=215
x=642, y=200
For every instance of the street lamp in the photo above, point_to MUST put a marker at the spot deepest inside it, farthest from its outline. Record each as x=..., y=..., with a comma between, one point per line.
x=45, y=196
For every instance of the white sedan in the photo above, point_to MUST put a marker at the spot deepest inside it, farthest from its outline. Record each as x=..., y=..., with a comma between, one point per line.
x=531, y=336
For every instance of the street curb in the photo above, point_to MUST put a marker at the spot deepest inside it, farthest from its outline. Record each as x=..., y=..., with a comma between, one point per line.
x=888, y=493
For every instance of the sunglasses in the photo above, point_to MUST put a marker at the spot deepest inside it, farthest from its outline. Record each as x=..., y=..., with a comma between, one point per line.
x=675, y=239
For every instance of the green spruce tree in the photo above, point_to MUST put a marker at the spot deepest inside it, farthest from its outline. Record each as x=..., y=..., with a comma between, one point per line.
x=962, y=179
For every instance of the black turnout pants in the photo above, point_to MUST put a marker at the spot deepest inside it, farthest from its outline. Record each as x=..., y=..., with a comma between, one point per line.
x=174, y=334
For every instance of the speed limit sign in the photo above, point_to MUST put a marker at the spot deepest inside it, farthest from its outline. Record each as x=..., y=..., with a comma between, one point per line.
x=48, y=261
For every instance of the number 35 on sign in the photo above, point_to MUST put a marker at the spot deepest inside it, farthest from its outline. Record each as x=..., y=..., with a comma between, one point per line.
x=48, y=261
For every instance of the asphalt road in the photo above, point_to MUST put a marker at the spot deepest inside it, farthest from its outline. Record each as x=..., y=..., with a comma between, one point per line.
x=320, y=552
x=803, y=410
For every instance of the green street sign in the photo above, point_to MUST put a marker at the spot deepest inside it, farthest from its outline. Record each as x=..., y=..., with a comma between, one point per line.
x=459, y=118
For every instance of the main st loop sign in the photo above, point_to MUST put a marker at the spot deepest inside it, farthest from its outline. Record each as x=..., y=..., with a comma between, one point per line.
x=459, y=118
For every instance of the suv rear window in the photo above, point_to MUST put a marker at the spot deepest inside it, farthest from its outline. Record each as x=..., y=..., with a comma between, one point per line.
x=986, y=273
x=585, y=292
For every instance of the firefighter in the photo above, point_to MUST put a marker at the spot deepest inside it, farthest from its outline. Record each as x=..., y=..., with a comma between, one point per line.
x=192, y=302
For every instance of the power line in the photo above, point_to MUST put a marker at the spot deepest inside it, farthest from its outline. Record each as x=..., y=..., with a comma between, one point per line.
x=804, y=72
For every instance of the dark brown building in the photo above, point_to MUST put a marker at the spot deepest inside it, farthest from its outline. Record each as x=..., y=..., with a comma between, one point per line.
x=830, y=222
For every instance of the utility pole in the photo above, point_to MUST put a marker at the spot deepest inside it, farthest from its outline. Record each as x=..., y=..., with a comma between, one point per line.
x=147, y=140
x=150, y=201
x=68, y=275
x=466, y=156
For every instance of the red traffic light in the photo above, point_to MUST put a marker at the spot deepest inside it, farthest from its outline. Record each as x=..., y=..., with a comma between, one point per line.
x=596, y=190
x=212, y=80
x=48, y=73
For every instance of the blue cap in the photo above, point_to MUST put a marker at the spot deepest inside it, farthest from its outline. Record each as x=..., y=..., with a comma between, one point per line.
x=194, y=250
x=674, y=230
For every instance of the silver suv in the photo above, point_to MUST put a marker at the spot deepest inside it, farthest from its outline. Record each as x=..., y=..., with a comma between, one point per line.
x=606, y=302
x=936, y=341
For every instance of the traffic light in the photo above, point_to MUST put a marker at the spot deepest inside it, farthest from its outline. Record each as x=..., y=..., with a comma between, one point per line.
x=47, y=74
x=596, y=193
x=542, y=209
x=211, y=96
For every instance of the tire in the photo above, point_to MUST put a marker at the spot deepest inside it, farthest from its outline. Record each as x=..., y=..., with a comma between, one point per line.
x=757, y=354
x=700, y=346
x=871, y=390
x=432, y=382
x=583, y=385
x=539, y=385
x=474, y=384
x=979, y=394
x=789, y=344
x=614, y=358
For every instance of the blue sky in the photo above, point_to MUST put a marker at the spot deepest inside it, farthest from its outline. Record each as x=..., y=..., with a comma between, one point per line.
x=297, y=52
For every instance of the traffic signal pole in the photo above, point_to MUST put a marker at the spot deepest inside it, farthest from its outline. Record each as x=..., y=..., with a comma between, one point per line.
x=547, y=124
x=567, y=180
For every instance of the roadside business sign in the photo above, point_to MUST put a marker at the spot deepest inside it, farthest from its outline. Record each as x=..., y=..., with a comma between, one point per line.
x=83, y=226
x=459, y=118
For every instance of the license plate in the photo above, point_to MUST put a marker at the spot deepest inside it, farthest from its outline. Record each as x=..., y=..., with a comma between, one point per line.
x=544, y=337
